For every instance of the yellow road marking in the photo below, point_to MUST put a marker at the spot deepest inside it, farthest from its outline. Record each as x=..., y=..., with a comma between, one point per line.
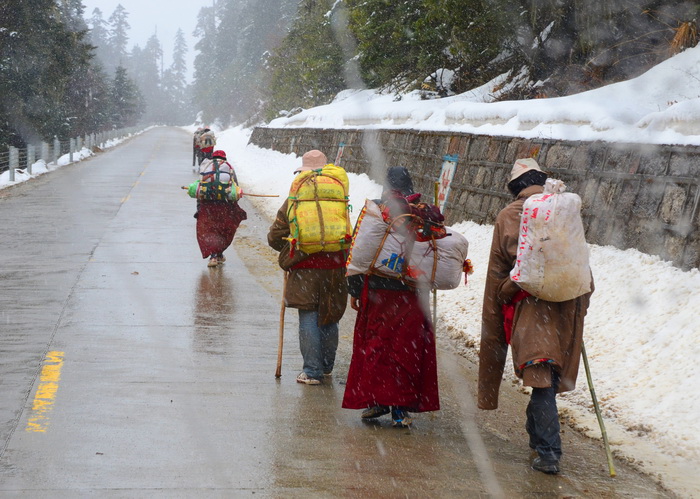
x=46, y=392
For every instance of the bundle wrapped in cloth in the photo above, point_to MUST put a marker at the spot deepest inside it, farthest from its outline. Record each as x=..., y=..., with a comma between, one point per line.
x=408, y=247
x=552, y=259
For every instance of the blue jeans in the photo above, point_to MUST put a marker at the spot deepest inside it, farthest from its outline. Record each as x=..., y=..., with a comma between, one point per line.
x=318, y=344
x=543, y=421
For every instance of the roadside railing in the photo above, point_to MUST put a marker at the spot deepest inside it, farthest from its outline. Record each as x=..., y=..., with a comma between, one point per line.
x=50, y=152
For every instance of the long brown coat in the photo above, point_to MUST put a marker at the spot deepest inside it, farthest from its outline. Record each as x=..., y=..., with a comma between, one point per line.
x=541, y=329
x=325, y=290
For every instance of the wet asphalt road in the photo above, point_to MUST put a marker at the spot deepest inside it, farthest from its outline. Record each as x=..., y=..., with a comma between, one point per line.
x=130, y=369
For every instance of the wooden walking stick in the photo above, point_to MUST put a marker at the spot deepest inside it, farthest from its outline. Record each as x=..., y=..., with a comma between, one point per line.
x=278, y=372
x=598, y=414
x=435, y=290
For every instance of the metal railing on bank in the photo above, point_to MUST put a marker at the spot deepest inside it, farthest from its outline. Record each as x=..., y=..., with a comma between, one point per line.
x=23, y=159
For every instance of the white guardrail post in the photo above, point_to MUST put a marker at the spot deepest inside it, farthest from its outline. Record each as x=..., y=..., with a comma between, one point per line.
x=31, y=154
x=14, y=162
x=56, y=149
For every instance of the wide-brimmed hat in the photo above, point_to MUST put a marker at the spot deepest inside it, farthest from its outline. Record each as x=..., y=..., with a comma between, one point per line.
x=312, y=160
x=523, y=165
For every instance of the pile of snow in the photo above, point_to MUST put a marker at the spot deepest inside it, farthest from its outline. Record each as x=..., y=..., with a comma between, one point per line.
x=642, y=334
x=659, y=107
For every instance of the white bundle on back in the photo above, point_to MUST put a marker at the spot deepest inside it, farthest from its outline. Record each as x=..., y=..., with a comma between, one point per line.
x=552, y=259
x=379, y=248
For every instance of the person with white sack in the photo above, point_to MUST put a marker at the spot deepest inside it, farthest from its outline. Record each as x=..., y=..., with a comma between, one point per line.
x=546, y=337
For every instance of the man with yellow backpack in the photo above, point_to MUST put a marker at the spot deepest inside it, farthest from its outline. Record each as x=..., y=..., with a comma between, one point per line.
x=312, y=232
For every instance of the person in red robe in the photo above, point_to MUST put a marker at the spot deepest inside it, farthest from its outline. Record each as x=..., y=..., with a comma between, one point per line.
x=217, y=221
x=394, y=365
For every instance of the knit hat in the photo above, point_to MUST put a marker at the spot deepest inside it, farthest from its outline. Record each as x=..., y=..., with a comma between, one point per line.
x=312, y=160
x=523, y=165
x=398, y=179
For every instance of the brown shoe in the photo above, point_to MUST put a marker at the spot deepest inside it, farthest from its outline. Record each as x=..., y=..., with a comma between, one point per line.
x=213, y=262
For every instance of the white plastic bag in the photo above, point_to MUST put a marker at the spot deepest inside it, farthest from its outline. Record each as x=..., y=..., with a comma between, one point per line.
x=435, y=264
x=552, y=259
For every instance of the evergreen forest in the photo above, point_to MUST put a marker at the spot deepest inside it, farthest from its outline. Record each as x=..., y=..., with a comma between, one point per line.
x=65, y=72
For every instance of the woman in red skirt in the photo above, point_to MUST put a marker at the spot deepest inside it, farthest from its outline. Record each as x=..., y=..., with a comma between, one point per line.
x=393, y=367
x=217, y=220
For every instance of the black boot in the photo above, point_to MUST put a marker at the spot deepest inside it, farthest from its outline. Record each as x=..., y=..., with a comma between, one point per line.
x=549, y=466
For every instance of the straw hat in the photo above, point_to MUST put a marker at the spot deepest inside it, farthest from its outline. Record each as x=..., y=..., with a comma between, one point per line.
x=523, y=165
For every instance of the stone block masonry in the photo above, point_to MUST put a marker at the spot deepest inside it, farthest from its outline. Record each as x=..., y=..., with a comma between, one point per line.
x=634, y=195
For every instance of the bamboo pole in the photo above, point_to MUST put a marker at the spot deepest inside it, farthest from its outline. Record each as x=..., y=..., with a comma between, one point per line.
x=598, y=414
x=246, y=194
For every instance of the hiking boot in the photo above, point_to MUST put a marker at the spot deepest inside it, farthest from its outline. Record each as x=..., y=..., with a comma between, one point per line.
x=400, y=418
x=221, y=258
x=303, y=378
x=549, y=466
x=213, y=262
x=375, y=412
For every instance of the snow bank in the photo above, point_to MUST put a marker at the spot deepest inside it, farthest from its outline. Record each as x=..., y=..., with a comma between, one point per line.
x=659, y=107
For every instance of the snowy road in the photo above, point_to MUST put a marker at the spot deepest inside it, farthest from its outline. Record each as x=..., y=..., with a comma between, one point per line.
x=130, y=369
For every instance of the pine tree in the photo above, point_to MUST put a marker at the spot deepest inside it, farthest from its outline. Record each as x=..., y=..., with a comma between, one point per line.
x=38, y=71
x=99, y=37
x=175, y=84
x=88, y=100
x=126, y=103
x=387, y=43
x=207, y=82
x=118, y=38
x=307, y=69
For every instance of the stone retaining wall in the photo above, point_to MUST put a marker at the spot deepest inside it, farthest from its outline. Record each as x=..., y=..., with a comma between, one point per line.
x=634, y=196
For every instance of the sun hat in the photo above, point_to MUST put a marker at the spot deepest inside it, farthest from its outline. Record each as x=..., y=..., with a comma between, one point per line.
x=523, y=165
x=312, y=160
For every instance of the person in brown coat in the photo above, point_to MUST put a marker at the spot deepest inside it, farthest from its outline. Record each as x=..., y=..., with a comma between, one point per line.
x=546, y=337
x=316, y=286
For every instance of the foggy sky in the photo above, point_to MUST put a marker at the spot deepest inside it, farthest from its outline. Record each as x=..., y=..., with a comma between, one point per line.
x=145, y=16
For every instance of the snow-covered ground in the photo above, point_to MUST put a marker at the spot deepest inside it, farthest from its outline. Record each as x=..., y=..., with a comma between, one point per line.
x=642, y=332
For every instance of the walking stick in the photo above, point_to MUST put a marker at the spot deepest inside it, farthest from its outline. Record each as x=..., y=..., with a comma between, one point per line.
x=278, y=372
x=598, y=414
x=435, y=197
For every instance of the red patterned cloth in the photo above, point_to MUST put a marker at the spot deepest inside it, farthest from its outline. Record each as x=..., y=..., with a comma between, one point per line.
x=509, y=313
x=217, y=223
x=393, y=360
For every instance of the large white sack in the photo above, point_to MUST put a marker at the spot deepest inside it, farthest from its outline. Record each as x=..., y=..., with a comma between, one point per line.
x=390, y=255
x=552, y=260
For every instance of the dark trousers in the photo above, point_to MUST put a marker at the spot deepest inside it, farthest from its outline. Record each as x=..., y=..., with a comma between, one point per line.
x=543, y=421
